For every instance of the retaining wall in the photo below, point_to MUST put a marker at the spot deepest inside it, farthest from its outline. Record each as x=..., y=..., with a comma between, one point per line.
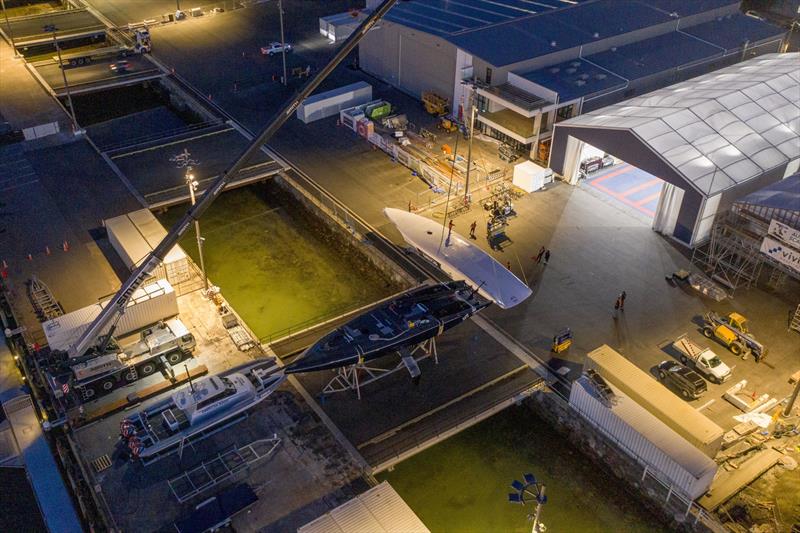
x=354, y=239
x=608, y=456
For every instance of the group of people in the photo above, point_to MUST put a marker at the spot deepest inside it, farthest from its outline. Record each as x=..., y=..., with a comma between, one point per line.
x=544, y=253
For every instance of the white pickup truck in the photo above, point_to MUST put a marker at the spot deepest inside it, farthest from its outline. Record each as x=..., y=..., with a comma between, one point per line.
x=704, y=360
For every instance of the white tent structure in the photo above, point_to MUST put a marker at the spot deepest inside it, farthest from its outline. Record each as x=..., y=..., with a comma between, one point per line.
x=712, y=138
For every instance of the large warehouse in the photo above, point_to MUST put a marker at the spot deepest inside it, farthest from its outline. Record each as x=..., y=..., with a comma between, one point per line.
x=706, y=142
x=533, y=64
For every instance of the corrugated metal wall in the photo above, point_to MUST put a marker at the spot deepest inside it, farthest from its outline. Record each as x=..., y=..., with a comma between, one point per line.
x=651, y=442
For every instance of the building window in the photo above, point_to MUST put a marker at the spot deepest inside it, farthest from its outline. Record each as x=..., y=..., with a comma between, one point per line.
x=563, y=113
x=544, y=125
x=488, y=76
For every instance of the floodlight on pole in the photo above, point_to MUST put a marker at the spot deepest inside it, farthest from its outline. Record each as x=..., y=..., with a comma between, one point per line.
x=530, y=491
x=184, y=160
x=283, y=42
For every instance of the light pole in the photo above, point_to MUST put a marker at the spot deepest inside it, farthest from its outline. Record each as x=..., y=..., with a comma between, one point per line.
x=473, y=110
x=50, y=28
x=283, y=41
x=184, y=160
x=8, y=27
x=529, y=492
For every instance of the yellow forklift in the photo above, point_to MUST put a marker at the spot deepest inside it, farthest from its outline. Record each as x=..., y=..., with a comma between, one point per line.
x=733, y=332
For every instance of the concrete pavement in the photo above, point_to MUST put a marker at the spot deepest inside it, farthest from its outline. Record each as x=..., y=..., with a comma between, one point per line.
x=25, y=103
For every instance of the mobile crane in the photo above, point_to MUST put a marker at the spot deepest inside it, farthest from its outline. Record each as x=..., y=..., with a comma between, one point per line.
x=93, y=344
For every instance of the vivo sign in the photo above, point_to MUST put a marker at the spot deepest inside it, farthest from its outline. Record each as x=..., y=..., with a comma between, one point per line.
x=782, y=243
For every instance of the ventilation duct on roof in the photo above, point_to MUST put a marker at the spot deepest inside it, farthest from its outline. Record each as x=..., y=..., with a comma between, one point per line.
x=555, y=70
x=580, y=83
x=600, y=76
x=584, y=76
x=571, y=70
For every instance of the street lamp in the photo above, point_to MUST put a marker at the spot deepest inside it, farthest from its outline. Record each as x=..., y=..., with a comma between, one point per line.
x=529, y=492
x=8, y=27
x=50, y=28
x=283, y=41
x=184, y=160
x=472, y=112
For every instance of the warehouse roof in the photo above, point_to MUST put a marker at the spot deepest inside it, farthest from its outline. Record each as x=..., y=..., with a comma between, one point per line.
x=441, y=17
x=576, y=78
x=503, y=32
x=720, y=129
x=734, y=31
x=379, y=510
x=648, y=57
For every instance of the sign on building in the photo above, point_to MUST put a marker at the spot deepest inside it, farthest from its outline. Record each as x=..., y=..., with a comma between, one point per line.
x=782, y=253
x=784, y=233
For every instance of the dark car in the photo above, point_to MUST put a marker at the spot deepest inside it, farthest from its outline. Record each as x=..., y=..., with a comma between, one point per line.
x=685, y=380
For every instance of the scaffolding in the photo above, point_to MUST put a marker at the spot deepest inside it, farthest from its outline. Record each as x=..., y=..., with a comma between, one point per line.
x=221, y=468
x=733, y=255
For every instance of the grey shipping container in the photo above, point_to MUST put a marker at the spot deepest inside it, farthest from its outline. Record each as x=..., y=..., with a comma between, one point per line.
x=657, y=399
x=331, y=102
x=149, y=304
x=647, y=439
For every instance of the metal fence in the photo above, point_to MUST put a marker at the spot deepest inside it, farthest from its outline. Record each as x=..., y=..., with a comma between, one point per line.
x=657, y=482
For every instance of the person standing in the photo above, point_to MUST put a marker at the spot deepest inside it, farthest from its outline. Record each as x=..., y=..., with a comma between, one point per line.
x=472, y=229
x=540, y=255
x=547, y=257
x=622, y=301
x=616, y=307
x=508, y=265
x=450, y=229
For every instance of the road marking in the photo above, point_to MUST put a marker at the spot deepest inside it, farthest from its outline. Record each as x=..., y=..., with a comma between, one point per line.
x=623, y=170
x=709, y=402
x=641, y=186
x=647, y=200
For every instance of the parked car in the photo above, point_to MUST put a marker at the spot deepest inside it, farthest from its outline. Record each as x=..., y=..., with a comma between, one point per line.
x=120, y=67
x=685, y=380
x=275, y=48
x=593, y=164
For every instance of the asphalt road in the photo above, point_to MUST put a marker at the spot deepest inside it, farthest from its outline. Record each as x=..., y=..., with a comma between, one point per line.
x=97, y=71
x=72, y=21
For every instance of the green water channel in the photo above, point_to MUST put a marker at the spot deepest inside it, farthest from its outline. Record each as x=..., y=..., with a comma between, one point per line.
x=461, y=485
x=275, y=264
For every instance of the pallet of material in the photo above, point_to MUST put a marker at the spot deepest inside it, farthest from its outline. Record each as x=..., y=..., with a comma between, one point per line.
x=728, y=484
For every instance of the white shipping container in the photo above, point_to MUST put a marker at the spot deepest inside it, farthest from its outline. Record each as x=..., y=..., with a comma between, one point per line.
x=644, y=437
x=657, y=399
x=136, y=234
x=151, y=303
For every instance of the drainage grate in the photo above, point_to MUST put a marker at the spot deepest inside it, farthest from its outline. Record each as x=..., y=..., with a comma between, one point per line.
x=101, y=463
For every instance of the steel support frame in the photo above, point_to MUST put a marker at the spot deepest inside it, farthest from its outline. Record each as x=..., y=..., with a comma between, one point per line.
x=348, y=378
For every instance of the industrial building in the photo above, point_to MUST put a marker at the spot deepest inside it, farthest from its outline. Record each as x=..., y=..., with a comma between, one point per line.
x=530, y=65
x=709, y=140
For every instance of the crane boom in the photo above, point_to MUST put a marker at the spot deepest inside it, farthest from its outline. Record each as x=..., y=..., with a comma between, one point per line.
x=120, y=300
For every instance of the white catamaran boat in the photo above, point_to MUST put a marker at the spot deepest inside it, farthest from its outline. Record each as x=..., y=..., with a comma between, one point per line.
x=199, y=407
